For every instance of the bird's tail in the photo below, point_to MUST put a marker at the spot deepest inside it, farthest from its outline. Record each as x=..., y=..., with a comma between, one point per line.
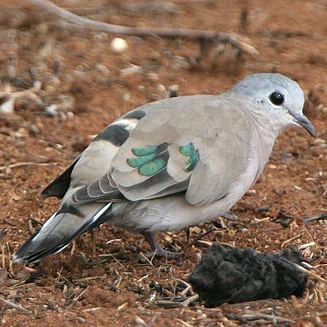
x=59, y=230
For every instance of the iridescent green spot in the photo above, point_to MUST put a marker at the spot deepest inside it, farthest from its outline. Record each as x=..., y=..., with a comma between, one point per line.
x=141, y=160
x=193, y=156
x=148, y=159
x=153, y=167
x=192, y=161
x=144, y=151
x=187, y=150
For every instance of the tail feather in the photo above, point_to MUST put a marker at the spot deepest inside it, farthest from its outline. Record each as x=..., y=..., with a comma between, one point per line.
x=56, y=234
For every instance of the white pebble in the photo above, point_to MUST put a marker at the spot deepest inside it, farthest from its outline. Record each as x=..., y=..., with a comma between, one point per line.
x=7, y=107
x=52, y=110
x=118, y=45
x=70, y=115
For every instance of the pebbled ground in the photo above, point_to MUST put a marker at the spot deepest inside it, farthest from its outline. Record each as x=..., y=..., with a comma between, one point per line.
x=100, y=281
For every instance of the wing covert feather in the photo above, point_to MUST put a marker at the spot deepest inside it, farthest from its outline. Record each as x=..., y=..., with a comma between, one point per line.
x=219, y=131
x=195, y=144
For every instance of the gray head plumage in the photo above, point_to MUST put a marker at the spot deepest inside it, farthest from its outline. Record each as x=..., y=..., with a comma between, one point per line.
x=278, y=96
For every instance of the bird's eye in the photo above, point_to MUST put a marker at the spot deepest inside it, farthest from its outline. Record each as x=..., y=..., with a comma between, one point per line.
x=277, y=98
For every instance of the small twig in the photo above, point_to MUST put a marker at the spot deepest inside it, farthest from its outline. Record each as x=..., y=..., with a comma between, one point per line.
x=253, y=315
x=91, y=309
x=3, y=254
x=3, y=232
x=76, y=298
x=86, y=279
x=184, y=323
x=198, y=238
x=186, y=290
x=305, y=246
x=73, y=247
x=190, y=300
x=31, y=229
x=24, y=164
x=291, y=239
x=310, y=273
x=16, y=306
x=93, y=242
x=142, y=278
x=20, y=94
x=106, y=255
x=117, y=282
x=174, y=303
x=114, y=240
x=144, y=257
x=315, y=217
x=205, y=243
x=188, y=287
x=10, y=261
x=191, y=34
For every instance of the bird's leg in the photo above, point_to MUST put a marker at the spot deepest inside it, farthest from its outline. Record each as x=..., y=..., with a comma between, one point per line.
x=156, y=249
x=93, y=242
x=230, y=216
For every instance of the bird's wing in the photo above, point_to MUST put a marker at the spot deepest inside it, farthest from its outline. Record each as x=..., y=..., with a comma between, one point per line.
x=59, y=186
x=197, y=144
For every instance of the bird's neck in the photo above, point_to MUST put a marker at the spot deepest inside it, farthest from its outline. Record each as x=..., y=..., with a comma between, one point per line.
x=266, y=131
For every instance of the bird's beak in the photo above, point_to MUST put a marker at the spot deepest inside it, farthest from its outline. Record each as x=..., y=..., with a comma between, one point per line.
x=304, y=122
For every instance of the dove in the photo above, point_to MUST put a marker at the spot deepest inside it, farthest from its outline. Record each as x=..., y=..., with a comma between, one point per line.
x=171, y=164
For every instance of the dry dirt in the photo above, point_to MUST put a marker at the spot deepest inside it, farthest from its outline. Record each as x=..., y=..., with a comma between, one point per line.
x=100, y=281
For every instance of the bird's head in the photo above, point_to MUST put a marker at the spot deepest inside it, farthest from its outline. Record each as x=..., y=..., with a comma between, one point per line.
x=278, y=96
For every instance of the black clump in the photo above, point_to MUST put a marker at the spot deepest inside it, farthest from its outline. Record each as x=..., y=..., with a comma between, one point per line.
x=232, y=275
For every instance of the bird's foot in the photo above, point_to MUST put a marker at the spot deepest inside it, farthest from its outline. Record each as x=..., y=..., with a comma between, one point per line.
x=230, y=216
x=157, y=250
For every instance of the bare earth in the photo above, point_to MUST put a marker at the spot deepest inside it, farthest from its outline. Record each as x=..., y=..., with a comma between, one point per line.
x=101, y=281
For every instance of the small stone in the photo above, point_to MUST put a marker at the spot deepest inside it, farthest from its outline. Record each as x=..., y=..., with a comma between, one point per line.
x=118, y=45
x=54, y=80
x=33, y=129
x=101, y=36
x=195, y=230
x=8, y=105
x=319, y=141
x=122, y=307
x=50, y=89
x=252, y=191
x=103, y=69
x=126, y=96
x=52, y=110
x=37, y=85
x=132, y=69
x=140, y=322
x=20, y=133
x=70, y=115
x=66, y=102
x=153, y=77
x=168, y=239
x=264, y=209
x=173, y=90
x=162, y=92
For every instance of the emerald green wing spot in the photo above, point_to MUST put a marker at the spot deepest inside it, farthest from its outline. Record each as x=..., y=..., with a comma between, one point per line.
x=193, y=156
x=139, y=161
x=152, y=167
x=192, y=161
x=187, y=150
x=144, y=151
x=148, y=159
